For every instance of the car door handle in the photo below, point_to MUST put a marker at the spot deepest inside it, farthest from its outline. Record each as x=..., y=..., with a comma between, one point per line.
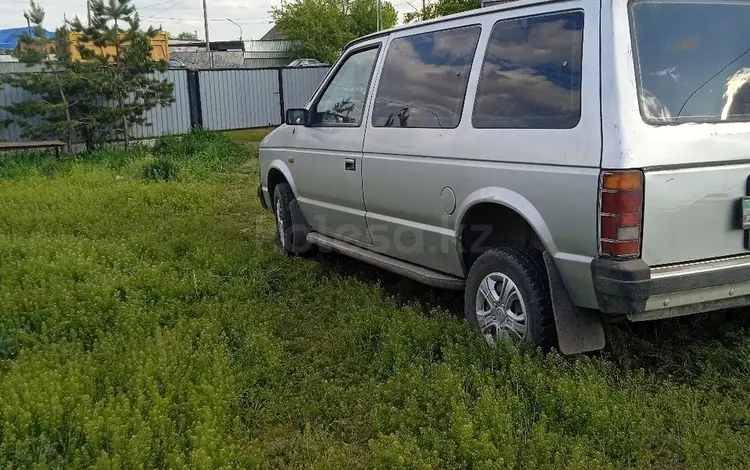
x=350, y=164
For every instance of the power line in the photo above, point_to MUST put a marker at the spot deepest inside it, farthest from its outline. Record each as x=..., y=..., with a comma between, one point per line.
x=166, y=9
x=242, y=10
x=260, y=21
x=195, y=20
x=155, y=4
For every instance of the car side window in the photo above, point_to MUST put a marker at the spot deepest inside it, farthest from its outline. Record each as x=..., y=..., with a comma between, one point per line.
x=343, y=101
x=424, y=79
x=531, y=75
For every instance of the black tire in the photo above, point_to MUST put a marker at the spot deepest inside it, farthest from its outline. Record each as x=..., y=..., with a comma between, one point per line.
x=291, y=227
x=525, y=267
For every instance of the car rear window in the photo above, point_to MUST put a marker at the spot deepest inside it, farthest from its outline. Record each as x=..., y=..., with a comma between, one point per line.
x=692, y=60
x=531, y=75
x=424, y=79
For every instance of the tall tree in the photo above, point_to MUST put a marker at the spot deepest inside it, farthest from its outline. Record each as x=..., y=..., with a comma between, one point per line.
x=321, y=28
x=121, y=54
x=64, y=100
x=97, y=97
x=363, y=14
x=440, y=8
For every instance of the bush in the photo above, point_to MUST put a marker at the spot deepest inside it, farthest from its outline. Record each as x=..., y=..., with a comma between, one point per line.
x=161, y=169
x=198, y=155
x=190, y=145
x=20, y=164
x=202, y=154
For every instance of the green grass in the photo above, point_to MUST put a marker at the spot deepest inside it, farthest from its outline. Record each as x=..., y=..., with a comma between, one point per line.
x=249, y=135
x=147, y=323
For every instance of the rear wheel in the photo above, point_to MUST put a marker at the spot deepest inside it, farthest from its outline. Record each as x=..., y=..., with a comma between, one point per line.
x=507, y=297
x=291, y=228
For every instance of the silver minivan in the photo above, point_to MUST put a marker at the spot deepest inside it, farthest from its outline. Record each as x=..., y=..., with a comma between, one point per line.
x=565, y=163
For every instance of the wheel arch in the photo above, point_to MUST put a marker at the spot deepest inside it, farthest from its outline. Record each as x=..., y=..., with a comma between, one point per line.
x=506, y=207
x=278, y=172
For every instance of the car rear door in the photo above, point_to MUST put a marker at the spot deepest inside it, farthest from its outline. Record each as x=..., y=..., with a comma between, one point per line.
x=691, y=131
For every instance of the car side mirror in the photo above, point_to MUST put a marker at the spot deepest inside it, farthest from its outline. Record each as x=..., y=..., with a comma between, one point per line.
x=297, y=117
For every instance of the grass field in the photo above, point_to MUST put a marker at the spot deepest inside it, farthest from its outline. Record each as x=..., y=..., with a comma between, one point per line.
x=147, y=321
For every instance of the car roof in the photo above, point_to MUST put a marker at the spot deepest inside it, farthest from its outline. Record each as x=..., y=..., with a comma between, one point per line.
x=505, y=5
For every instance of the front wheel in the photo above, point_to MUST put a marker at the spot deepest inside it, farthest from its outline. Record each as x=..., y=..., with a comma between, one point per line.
x=507, y=297
x=291, y=228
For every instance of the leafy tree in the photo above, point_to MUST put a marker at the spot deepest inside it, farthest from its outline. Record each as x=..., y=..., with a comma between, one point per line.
x=122, y=64
x=64, y=101
x=187, y=36
x=441, y=8
x=321, y=28
x=364, y=17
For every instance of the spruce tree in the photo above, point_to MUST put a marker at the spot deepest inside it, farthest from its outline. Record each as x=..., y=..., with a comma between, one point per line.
x=102, y=95
x=63, y=100
x=125, y=71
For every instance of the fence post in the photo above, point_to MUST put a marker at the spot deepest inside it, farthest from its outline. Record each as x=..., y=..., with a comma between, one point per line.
x=194, y=98
x=281, y=94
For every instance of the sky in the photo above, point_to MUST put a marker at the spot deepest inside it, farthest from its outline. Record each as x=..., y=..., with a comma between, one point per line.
x=173, y=16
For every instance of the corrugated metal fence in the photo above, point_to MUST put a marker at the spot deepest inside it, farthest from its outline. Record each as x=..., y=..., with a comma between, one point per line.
x=300, y=83
x=213, y=99
x=169, y=120
x=237, y=99
x=10, y=95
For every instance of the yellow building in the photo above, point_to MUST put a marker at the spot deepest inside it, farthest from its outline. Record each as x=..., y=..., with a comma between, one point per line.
x=159, y=47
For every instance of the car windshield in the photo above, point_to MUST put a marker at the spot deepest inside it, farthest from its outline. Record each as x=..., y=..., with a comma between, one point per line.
x=692, y=60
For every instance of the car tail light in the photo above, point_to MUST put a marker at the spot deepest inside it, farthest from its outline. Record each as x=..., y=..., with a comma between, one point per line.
x=620, y=213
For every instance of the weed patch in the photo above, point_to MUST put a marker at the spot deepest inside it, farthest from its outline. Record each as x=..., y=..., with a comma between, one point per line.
x=155, y=325
x=161, y=169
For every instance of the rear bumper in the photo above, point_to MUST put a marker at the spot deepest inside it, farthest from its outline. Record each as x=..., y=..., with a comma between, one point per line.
x=643, y=293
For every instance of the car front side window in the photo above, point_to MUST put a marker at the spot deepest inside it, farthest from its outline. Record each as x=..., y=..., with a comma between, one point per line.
x=343, y=101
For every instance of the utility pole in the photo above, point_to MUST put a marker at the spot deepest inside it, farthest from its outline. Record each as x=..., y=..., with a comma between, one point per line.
x=423, y=12
x=88, y=12
x=205, y=25
x=377, y=23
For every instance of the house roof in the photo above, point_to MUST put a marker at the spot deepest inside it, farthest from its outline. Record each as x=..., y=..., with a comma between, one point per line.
x=9, y=37
x=273, y=34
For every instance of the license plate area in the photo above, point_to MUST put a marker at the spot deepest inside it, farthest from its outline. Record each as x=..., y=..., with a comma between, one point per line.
x=745, y=203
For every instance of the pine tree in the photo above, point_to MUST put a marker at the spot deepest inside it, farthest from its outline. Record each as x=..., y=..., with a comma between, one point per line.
x=98, y=97
x=125, y=71
x=63, y=102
